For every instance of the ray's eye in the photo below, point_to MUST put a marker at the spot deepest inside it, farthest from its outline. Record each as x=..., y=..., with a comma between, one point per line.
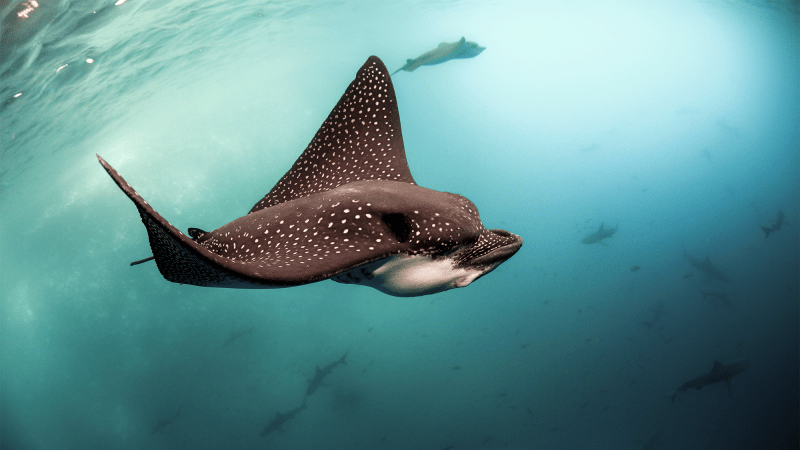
x=399, y=225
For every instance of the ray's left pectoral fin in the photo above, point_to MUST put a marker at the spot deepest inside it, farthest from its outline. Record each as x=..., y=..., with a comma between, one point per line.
x=361, y=140
x=178, y=257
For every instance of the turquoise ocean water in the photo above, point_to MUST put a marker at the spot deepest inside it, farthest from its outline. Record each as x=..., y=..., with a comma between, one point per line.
x=677, y=122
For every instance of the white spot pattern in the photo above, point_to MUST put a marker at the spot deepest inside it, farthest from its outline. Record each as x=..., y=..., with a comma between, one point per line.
x=364, y=232
x=360, y=140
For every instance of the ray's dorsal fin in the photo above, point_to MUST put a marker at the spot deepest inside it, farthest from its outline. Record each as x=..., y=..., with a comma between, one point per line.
x=359, y=141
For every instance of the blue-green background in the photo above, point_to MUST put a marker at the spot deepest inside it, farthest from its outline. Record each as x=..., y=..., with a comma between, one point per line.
x=677, y=120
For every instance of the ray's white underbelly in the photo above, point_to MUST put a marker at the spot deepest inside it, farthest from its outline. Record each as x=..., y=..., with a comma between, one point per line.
x=408, y=276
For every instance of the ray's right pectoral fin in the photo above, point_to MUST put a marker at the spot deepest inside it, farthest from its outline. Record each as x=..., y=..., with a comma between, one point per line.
x=178, y=257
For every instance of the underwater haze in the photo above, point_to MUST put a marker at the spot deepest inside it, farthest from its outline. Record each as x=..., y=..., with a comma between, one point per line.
x=675, y=123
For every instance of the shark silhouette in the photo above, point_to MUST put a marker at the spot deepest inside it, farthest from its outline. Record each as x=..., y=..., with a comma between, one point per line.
x=347, y=210
x=722, y=296
x=719, y=373
x=236, y=335
x=320, y=374
x=659, y=310
x=708, y=269
x=599, y=235
x=654, y=442
x=776, y=224
x=161, y=423
x=446, y=51
x=276, y=424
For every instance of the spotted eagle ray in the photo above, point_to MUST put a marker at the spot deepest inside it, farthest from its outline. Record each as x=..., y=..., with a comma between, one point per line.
x=446, y=51
x=347, y=210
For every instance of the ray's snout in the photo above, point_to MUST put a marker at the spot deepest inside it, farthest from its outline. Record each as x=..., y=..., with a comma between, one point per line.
x=498, y=246
x=511, y=246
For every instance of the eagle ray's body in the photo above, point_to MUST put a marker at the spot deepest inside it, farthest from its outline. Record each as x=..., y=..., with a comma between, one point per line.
x=348, y=209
